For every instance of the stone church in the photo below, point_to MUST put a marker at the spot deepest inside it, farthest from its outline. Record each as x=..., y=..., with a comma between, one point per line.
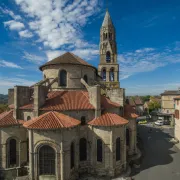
x=73, y=122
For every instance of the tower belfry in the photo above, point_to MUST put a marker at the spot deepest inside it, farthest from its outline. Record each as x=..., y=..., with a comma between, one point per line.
x=108, y=67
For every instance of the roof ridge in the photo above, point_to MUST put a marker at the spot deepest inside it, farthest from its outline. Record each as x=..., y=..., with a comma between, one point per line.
x=55, y=115
x=110, y=117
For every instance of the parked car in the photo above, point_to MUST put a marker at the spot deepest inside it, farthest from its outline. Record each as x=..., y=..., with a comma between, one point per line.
x=144, y=121
x=159, y=123
x=166, y=122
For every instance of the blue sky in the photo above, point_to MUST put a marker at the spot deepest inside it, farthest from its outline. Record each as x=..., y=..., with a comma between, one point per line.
x=148, y=38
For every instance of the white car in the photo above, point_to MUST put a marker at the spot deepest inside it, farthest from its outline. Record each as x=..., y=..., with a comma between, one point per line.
x=159, y=123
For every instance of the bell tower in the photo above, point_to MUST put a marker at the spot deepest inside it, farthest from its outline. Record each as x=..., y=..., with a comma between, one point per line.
x=108, y=67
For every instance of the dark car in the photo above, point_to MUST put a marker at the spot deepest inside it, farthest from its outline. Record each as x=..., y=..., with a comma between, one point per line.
x=166, y=122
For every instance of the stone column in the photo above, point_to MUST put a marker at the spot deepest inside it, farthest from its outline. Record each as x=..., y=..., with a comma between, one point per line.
x=62, y=161
x=31, y=154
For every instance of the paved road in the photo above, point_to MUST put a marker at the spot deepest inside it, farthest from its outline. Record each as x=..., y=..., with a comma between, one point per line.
x=161, y=159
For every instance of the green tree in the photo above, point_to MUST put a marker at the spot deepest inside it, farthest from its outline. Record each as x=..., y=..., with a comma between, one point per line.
x=154, y=105
x=3, y=107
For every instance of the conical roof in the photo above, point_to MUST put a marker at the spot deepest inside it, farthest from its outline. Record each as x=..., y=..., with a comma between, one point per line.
x=67, y=58
x=7, y=119
x=52, y=120
x=108, y=119
x=107, y=20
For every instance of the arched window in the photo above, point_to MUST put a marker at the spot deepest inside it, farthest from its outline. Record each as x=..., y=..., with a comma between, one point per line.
x=104, y=74
x=108, y=56
x=83, y=120
x=63, y=78
x=111, y=75
x=99, y=150
x=83, y=149
x=46, y=160
x=12, y=159
x=72, y=155
x=28, y=118
x=127, y=137
x=86, y=78
x=106, y=36
x=118, y=149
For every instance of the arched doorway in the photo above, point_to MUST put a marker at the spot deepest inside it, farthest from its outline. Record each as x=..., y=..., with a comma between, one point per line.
x=12, y=156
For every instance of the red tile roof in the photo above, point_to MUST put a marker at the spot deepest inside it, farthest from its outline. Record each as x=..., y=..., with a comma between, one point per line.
x=71, y=100
x=67, y=100
x=129, y=112
x=7, y=119
x=108, y=119
x=138, y=101
x=51, y=120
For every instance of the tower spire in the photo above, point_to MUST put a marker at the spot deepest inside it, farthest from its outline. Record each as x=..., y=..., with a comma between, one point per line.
x=108, y=67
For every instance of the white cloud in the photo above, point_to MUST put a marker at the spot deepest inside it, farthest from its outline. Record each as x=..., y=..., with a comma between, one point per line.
x=7, y=82
x=34, y=58
x=25, y=34
x=147, y=59
x=14, y=25
x=10, y=13
x=53, y=54
x=86, y=54
x=8, y=64
x=58, y=23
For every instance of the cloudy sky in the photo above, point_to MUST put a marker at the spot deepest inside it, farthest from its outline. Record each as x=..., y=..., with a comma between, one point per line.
x=148, y=39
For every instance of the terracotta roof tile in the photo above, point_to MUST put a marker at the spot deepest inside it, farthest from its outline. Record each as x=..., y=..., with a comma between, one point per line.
x=7, y=119
x=108, y=119
x=51, y=120
x=71, y=100
x=67, y=58
x=138, y=101
x=67, y=100
x=130, y=112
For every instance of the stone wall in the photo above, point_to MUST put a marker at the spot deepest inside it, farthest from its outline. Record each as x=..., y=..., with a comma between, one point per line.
x=117, y=95
x=167, y=103
x=20, y=135
x=74, y=74
x=10, y=96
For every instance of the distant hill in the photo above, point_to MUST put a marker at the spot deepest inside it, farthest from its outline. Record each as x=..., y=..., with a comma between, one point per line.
x=3, y=99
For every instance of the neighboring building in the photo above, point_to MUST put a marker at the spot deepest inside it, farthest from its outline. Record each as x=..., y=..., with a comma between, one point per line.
x=167, y=101
x=147, y=103
x=139, y=105
x=177, y=118
x=72, y=122
x=136, y=103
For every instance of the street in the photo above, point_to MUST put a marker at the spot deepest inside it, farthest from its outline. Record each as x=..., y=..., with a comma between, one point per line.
x=160, y=157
